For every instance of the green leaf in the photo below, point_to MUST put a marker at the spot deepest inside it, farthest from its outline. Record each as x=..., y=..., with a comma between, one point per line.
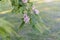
x=5, y=27
x=38, y=23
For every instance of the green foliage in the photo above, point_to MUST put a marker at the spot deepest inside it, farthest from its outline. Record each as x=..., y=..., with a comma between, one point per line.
x=5, y=5
x=9, y=28
x=13, y=26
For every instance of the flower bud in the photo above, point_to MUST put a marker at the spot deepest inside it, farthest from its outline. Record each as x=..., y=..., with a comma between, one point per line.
x=33, y=7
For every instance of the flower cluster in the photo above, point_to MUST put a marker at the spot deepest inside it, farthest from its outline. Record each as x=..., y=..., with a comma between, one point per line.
x=35, y=10
x=26, y=17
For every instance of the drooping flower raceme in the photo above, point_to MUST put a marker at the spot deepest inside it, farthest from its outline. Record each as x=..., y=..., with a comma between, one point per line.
x=26, y=18
x=24, y=1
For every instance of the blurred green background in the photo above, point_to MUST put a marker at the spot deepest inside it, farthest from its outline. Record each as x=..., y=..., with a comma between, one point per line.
x=50, y=16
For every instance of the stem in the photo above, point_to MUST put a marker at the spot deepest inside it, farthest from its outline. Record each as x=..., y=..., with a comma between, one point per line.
x=22, y=24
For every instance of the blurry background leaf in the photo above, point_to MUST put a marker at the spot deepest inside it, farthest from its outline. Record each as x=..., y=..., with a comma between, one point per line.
x=5, y=26
x=47, y=22
x=5, y=5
